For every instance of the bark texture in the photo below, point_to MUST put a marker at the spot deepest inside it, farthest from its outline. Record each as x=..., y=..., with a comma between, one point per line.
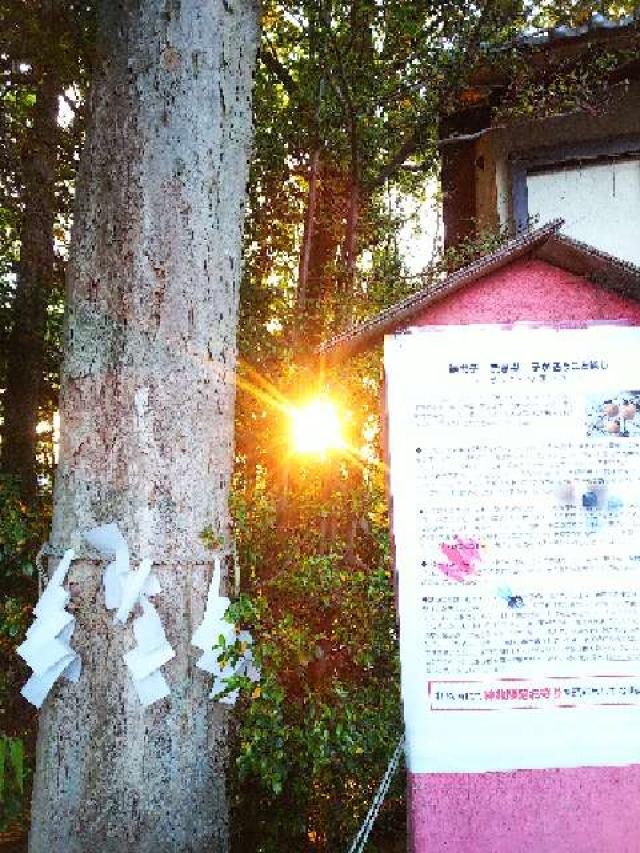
x=147, y=418
x=25, y=345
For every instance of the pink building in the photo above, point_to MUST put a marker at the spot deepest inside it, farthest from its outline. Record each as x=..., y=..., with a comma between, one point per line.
x=540, y=276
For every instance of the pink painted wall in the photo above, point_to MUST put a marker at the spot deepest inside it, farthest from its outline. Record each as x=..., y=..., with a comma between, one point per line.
x=530, y=290
x=583, y=810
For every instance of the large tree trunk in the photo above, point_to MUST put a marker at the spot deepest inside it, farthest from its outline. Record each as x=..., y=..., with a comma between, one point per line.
x=25, y=345
x=147, y=418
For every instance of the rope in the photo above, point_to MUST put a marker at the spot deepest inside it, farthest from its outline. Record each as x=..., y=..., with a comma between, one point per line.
x=40, y=567
x=359, y=842
x=90, y=556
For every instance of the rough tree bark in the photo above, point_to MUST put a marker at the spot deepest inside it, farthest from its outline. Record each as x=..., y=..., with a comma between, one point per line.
x=25, y=345
x=147, y=418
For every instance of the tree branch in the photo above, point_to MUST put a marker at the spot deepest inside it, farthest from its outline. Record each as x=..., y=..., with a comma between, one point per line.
x=407, y=148
x=75, y=108
x=466, y=137
x=343, y=92
x=275, y=67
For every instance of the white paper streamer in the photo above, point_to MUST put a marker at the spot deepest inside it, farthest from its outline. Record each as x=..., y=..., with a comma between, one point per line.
x=207, y=638
x=117, y=579
x=123, y=589
x=47, y=646
x=108, y=540
x=152, y=650
x=132, y=590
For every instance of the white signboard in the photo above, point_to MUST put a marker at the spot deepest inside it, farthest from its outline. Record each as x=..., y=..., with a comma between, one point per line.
x=515, y=481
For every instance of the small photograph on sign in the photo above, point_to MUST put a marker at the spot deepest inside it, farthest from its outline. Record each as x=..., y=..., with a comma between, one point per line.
x=591, y=495
x=614, y=416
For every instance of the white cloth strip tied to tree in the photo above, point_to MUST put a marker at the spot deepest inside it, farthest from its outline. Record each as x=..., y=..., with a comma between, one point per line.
x=123, y=589
x=47, y=647
x=214, y=635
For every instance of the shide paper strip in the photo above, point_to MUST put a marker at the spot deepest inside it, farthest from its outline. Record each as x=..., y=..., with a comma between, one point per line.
x=213, y=624
x=37, y=687
x=47, y=648
x=43, y=655
x=132, y=590
x=109, y=541
x=152, y=689
x=248, y=664
x=152, y=651
x=39, y=650
x=54, y=593
x=124, y=589
x=207, y=638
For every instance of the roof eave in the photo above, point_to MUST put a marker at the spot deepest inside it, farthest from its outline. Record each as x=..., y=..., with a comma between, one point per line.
x=596, y=266
x=371, y=331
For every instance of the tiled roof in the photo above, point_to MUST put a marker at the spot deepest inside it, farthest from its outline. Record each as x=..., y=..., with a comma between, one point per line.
x=597, y=23
x=545, y=243
x=560, y=42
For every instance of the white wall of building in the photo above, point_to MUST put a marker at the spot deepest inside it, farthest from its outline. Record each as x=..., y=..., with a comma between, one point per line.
x=600, y=203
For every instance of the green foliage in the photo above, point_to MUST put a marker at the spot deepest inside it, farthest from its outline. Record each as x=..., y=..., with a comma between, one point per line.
x=211, y=539
x=49, y=42
x=314, y=738
x=316, y=734
x=14, y=774
x=312, y=536
x=22, y=531
x=540, y=86
x=576, y=12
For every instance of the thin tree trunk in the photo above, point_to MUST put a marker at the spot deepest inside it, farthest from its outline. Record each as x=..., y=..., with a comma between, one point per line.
x=350, y=245
x=309, y=229
x=25, y=345
x=147, y=404
x=321, y=245
x=351, y=234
